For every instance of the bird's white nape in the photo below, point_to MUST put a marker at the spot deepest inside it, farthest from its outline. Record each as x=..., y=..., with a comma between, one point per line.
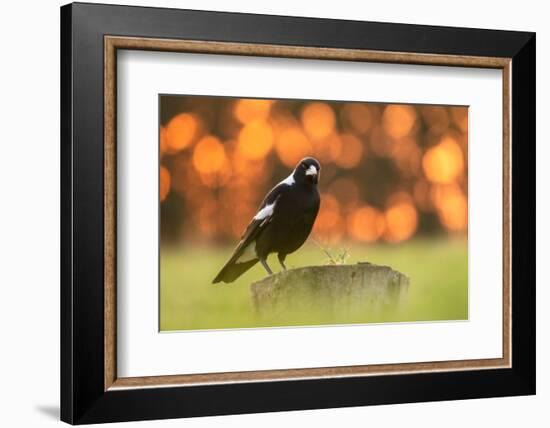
x=289, y=180
x=265, y=212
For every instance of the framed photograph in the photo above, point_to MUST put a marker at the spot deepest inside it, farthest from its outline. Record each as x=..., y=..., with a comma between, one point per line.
x=265, y=213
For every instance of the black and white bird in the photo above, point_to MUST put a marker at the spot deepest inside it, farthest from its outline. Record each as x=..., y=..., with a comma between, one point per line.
x=283, y=222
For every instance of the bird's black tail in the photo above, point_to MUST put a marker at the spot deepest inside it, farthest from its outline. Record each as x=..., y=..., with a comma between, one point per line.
x=231, y=271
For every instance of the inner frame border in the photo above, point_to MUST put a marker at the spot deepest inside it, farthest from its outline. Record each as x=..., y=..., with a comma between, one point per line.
x=113, y=43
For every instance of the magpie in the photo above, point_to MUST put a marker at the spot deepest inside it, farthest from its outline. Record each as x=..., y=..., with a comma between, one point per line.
x=283, y=222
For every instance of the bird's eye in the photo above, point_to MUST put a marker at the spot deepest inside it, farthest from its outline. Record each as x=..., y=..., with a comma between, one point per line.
x=304, y=166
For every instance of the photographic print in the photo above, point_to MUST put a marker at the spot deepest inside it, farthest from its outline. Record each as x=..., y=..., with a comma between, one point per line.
x=283, y=212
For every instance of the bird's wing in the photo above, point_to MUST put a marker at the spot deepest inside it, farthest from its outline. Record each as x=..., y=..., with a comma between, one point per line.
x=244, y=253
x=262, y=217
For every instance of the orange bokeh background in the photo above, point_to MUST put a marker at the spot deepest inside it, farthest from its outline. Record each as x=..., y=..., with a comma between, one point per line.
x=390, y=172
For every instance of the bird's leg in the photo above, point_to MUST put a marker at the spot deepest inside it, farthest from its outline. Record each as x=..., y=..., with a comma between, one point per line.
x=281, y=258
x=265, y=265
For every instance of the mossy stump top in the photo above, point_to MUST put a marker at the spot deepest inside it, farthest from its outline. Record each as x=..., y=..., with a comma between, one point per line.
x=359, y=286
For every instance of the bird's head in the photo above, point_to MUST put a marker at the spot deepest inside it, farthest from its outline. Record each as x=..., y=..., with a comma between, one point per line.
x=307, y=170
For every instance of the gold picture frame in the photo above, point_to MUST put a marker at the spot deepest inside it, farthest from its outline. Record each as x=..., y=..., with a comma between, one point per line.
x=114, y=43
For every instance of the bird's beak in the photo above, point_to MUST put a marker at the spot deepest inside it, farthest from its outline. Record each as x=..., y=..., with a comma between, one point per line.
x=311, y=171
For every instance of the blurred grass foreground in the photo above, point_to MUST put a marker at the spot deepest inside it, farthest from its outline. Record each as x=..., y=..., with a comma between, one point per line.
x=439, y=287
x=394, y=192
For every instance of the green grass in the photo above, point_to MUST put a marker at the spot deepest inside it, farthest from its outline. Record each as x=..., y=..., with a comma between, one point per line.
x=438, y=270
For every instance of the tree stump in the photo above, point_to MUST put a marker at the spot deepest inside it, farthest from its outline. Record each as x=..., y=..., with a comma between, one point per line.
x=347, y=288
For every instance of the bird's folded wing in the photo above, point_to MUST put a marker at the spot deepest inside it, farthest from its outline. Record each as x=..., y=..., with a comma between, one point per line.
x=244, y=256
x=260, y=221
